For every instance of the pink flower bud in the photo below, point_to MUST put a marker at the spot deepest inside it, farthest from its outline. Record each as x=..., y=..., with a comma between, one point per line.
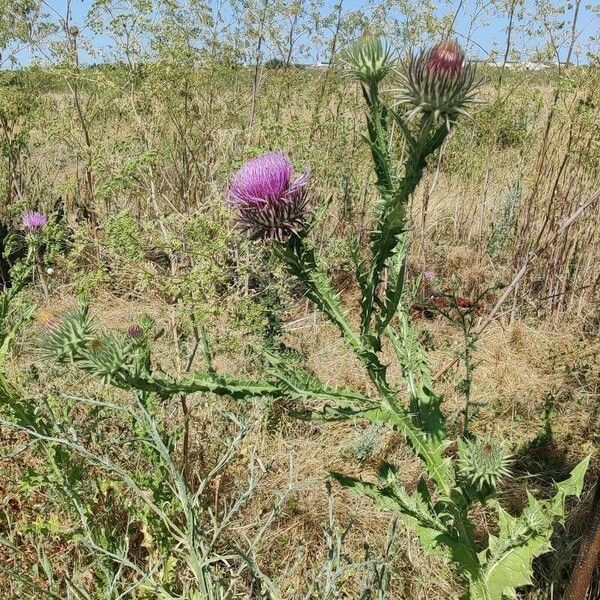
x=445, y=59
x=438, y=83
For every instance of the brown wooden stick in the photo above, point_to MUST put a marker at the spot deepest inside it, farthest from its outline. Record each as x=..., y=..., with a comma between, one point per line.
x=589, y=552
x=523, y=270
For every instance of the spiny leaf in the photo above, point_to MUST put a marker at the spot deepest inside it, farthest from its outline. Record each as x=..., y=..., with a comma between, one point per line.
x=303, y=385
x=436, y=538
x=393, y=498
x=330, y=413
x=569, y=487
x=431, y=451
x=424, y=403
x=514, y=567
x=509, y=558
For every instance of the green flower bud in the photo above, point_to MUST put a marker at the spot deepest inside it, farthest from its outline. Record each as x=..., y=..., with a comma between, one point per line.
x=369, y=60
x=483, y=462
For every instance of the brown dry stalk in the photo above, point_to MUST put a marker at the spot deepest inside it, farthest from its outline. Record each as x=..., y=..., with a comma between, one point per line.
x=523, y=270
x=589, y=552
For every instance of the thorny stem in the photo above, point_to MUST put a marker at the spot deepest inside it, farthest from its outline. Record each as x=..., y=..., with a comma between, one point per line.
x=302, y=263
x=389, y=243
x=389, y=246
x=469, y=340
x=34, y=258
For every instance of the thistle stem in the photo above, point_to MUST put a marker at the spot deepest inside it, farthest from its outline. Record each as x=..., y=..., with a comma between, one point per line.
x=390, y=240
x=302, y=263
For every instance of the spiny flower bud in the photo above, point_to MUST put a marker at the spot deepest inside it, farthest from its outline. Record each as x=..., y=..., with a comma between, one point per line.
x=65, y=340
x=369, y=60
x=438, y=82
x=134, y=332
x=534, y=518
x=483, y=462
x=269, y=204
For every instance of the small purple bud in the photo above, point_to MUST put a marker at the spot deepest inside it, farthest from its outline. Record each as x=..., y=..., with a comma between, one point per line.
x=429, y=275
x=134, y=332
x=34, y=221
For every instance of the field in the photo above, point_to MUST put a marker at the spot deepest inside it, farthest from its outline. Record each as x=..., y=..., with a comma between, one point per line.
x=168, y=481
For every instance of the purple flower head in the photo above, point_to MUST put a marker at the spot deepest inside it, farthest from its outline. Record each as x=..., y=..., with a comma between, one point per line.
x=134, y=332
x=269, y=204
x=33, y=221
x=429, y=275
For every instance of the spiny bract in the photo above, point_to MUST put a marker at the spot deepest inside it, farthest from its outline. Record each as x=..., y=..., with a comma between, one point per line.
x=438, y=82
x=483, y=462
x=369, y=60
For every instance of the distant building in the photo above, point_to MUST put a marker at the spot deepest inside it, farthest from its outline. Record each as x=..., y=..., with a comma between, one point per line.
x=524, y=65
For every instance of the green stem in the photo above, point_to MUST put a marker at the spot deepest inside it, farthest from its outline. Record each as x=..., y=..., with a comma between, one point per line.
x=302, y=263
x=34, y=259
x=391, y=236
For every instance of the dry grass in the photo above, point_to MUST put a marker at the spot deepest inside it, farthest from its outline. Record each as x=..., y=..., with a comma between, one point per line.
x=519, y=367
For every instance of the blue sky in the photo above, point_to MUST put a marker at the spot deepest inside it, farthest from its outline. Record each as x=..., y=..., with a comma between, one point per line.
x=485, y=38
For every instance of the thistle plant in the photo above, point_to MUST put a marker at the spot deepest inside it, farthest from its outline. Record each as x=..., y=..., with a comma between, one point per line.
x=438, y=87
x=33, y=224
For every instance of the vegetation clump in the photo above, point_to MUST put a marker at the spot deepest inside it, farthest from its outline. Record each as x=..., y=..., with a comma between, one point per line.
x=300, y=333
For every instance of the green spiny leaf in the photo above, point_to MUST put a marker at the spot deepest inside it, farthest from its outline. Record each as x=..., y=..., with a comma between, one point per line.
x=509, y=558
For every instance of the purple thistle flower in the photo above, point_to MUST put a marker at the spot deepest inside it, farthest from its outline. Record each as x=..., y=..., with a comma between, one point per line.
x=429, y=275
x=134, y=332
x=34, y=221
x=269, y=204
